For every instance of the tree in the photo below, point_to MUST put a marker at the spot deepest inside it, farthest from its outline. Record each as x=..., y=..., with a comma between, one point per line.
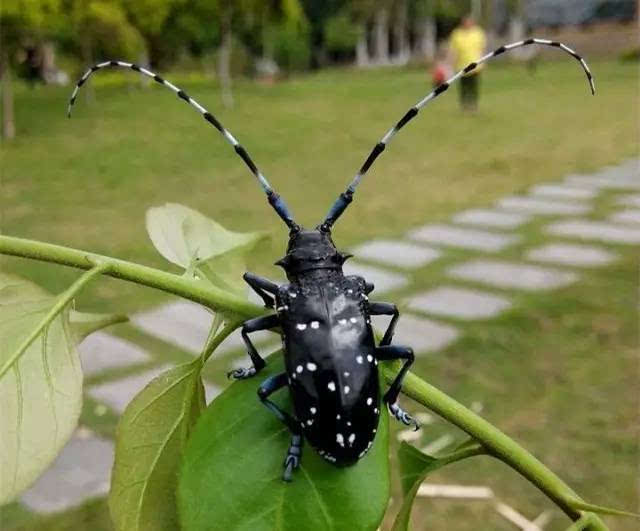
x=22, y=22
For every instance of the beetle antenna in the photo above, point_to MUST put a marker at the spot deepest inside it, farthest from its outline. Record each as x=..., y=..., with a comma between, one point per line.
x=274, y=199
x=340, y=205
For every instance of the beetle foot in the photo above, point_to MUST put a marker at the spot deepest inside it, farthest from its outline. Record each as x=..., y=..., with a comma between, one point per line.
x=242, y=373
x=292, y=460
x=404, y=417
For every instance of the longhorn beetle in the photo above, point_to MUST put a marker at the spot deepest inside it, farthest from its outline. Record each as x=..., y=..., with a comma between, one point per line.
x=329, y=348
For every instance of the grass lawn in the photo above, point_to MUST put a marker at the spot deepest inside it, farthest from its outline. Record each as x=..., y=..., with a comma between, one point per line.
x=558, y=372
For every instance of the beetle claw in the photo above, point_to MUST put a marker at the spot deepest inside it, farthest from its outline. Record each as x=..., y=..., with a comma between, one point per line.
x=242, y=373
x=402, y=416
x=292, y=460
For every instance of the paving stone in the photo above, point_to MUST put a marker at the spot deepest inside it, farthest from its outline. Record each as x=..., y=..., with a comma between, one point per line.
x=623, y=181
x=118, y=393
x=571, y=255
x=512, y=275
x=81, y=471
x=461, y=303
x=560, y=191
x=491, y=218
x=538, y=205
x=475, y=239
x=397, y=253
x=186, y=325
x=102, y=351
x=596, y=230
x=630, y=215
x=382, y=279
x=629, y=200
x=423, y=335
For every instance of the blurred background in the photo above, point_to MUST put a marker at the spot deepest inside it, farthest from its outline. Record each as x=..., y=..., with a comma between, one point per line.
x=507, y=232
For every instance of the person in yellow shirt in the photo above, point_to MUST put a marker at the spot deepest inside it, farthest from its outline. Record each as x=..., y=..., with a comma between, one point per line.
x=467, y=44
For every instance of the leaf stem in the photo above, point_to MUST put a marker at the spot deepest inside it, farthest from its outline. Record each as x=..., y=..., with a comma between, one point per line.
x=65, y=298
x=215, y=339
x=192, y=289
x=496, y=443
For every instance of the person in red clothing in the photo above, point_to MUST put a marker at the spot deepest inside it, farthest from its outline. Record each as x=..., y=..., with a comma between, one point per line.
x=441, y=70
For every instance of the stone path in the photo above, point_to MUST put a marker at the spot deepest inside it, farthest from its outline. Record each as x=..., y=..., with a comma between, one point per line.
x=478, y=286
x=81, y=471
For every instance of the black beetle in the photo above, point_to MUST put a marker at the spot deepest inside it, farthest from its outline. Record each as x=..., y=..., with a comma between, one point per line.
x=331, y=357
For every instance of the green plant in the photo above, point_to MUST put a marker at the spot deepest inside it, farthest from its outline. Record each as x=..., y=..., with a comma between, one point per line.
x=178, y=462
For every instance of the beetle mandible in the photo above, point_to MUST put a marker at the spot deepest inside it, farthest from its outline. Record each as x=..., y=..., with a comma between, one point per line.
x=331, y=357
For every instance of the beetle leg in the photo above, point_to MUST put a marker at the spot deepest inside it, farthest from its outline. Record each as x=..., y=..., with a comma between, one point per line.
x=263, y=287
x=395, y=352
x=253, y=325
x=294, y=453
x=386, y=308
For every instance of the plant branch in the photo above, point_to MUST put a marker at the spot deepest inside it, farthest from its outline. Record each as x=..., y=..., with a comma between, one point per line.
x=196, y=290
x=61, y=302
x=496, y=443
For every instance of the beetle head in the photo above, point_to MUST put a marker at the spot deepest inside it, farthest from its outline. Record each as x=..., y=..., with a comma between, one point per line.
x=311, y=249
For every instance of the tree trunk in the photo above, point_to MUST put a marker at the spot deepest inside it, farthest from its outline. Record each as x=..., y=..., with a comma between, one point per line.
x=8, y=124
x=48, y=69
x=381, y=36
x=516, y=33
x=224, y=59
x=401, y=35
x=362, y=48
x=426, y=41
x=86, y=51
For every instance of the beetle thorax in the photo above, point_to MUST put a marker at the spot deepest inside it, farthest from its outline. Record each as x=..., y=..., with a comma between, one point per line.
x=309, y=252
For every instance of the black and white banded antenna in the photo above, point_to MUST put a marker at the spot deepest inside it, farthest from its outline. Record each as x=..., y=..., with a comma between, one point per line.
x=274, y=199
x=346, y=197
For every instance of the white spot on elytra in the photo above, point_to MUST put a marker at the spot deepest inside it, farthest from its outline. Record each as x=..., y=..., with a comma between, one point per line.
x=293, y=294
x=331, y=386
x=369, y=401
x=375, y=362
x=340, y=439
x=299, y=369
x=346, y=374
x=293, y=375
x=301, y=326
x=309, y=422
x=311, y=366
x=352, y=438
x=374, y=430
x=369, y=358
x=359, y=359
x=342, y=321
x=313, y=410
x=315, y=325
x=375, y=410
x=338, y=416
x=349, y=291
x=347, y=389
x=353, y=320
x=348, y=423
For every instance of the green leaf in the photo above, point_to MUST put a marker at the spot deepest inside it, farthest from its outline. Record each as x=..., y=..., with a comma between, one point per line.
x=231, y=476
x=415, y=466
x=84, y=324
x=150, y=441
x=40, y=390
x=193, y=241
